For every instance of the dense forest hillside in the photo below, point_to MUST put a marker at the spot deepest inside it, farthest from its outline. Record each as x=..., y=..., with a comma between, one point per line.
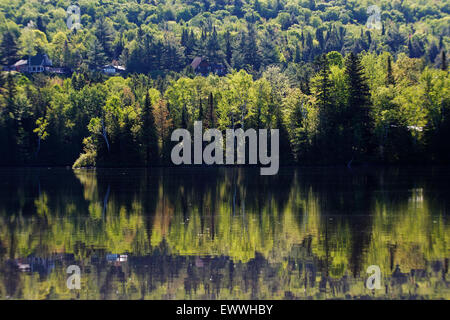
x=339, y=90
x=160, y=36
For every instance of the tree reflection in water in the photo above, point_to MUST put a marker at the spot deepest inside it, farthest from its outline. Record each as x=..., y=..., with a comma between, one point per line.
x=222, y=233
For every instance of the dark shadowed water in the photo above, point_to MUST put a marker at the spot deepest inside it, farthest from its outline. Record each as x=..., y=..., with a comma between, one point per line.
x=224, y=233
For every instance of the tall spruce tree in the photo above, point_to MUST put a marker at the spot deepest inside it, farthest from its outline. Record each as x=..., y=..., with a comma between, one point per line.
x=389, y=77
x=214, y=52
x=9, y=49
x=359, y=124
x=96, y=54
x=324, y=143
x=211, y=114
x=228, y=48
x=104, y=32
x=200, y=111
x=10, y=122
x=286, y=154
x=323, y=92
x=11, y=91
x=444, y=64
x=149, y=134
x=248, y=53
x=184, y=120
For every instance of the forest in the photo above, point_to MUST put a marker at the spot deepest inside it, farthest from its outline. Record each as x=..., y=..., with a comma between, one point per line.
x=340, y=93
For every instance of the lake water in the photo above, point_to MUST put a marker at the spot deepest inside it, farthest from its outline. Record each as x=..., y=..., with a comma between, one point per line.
x=225, y=233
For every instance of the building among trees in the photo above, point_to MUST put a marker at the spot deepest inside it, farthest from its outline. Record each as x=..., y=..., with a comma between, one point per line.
x=38, y=63
x=202, y=66
x=112, y=69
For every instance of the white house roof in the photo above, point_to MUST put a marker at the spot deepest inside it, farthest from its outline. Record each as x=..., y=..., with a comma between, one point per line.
x=109, y=66
x=20, y=63
x=196, y=62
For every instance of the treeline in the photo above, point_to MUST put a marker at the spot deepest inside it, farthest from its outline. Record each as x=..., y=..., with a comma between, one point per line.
x=156, y=37
x=353, y=109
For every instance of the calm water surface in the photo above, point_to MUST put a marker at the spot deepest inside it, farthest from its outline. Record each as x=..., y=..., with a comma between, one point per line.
x=224, y=233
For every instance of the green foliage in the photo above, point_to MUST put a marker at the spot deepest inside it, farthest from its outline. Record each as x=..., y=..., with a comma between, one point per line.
x=156, y=38
x=149, y=134
x=336, y=90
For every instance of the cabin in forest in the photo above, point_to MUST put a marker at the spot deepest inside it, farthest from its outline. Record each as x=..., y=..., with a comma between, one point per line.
x=19, y=66
x=203, y=67
x=112, y=69
x=37, y=64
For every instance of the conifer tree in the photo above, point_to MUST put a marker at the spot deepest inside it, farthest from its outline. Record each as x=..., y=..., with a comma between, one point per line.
x=323, y=92
x=184, y=120
x=10, y=94
x=444, y=65
x=228, y=48
x=105, y=35
x=389, y=77
x=9, y=120
x=96, y=54
x=214, y=52
x=359, y=124
x=247, y=53
x=286, y=155
x=211, y=117
x=67, y=60
x=297, y=56
x=325, y=131
x=9, y=50
x=200, y=111
x=149, y=134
